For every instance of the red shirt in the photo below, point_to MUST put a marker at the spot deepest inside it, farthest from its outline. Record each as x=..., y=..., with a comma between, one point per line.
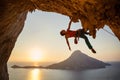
x=70, y=33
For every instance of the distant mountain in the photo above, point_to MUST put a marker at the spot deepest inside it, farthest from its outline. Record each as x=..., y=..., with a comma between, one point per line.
x=17, y=66
x=78, y=61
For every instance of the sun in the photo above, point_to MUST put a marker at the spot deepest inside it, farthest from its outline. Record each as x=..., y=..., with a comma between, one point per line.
x=36, y=55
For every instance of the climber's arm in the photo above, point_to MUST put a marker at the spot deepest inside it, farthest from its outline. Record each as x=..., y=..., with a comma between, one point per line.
x=69, y=25
x=68, y=43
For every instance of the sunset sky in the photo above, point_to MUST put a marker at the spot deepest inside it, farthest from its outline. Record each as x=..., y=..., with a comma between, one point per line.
x=40, y=40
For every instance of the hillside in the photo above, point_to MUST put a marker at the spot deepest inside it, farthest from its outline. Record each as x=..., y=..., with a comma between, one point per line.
x=78, y=61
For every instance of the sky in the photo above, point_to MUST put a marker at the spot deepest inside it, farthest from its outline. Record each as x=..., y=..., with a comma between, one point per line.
x=40, y=40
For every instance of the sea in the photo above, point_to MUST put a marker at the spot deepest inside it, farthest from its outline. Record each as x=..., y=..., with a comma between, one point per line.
x=109, y=73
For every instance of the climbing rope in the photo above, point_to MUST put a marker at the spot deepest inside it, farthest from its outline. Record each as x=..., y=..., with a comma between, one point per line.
x=109, y=32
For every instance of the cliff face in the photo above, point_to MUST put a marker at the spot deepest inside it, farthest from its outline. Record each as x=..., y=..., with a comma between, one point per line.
x=94, y=14
x=11, y=24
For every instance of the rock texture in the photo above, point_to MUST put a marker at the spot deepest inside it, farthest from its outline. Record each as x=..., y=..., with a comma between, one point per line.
x=94, y=14
x=79, y=61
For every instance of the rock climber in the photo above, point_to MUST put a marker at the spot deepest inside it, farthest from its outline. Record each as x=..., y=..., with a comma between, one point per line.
x=76, y=34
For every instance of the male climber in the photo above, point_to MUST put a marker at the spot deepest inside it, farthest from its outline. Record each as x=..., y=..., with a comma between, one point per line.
x=76, y=34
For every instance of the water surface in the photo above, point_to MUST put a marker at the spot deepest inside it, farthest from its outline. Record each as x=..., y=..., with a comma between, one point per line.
x=109, y=73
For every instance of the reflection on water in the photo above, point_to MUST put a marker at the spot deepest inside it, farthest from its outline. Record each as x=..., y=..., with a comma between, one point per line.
x=109, y=73
x=35, y=74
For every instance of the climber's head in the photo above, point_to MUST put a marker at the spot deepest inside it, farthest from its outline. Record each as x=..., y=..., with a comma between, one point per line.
x=62, y=33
